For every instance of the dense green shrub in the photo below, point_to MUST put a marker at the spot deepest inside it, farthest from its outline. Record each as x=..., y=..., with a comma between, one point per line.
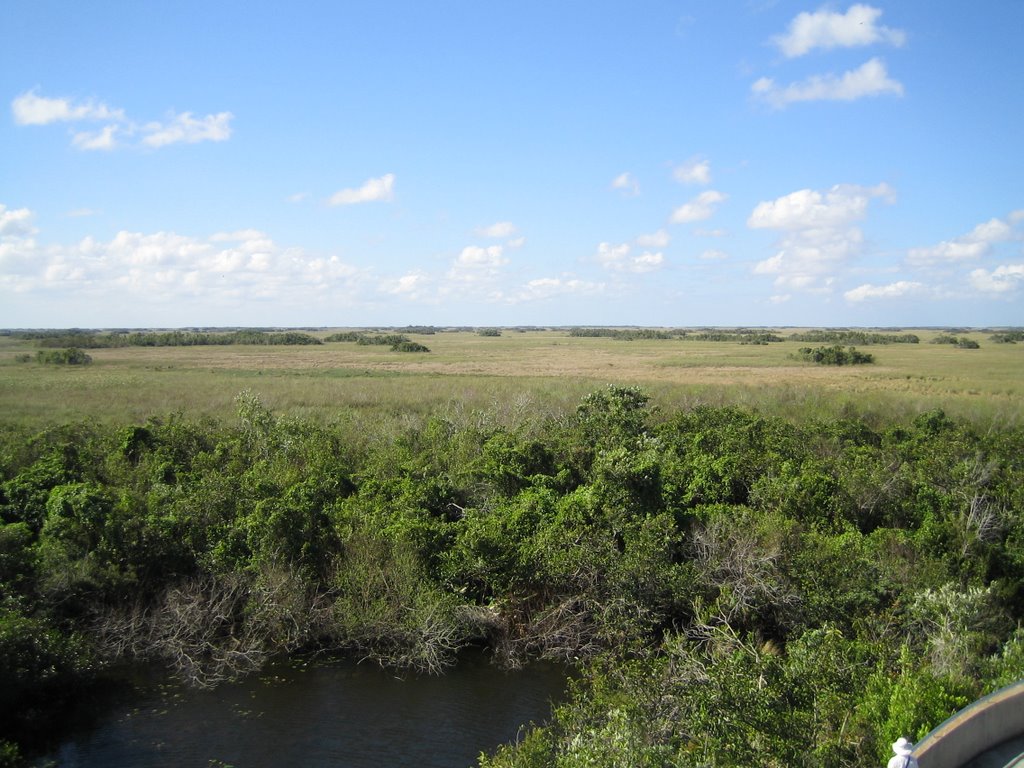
x=834, y=355
x=736, y=588
x=409, y=346
x=69, y=356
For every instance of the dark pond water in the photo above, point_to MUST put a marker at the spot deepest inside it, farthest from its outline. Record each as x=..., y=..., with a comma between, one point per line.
x=340, y=714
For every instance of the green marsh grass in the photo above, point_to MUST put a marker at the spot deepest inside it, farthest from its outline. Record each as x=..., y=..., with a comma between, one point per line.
x=518, y=375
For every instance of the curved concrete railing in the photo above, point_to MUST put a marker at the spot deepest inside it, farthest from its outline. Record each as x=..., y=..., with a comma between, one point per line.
x=973, y=730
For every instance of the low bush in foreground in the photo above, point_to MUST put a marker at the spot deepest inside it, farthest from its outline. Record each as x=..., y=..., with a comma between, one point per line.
x=735, y=589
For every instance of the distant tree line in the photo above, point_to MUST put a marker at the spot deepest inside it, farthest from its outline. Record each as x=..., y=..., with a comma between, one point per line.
x=1007, y=337
x=623, y=334
x=93, y=340
x=864, y=338
x=741, y=335
x=398, y=342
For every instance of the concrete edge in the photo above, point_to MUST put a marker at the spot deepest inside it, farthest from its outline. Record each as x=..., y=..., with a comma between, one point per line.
x=976, y=728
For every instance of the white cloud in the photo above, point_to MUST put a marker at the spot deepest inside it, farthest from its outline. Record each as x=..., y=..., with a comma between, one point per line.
x=713, y=254
x=702, y=232
x=780, y=298
x=1001, y=280
x=102, y=139
x=412, y=285
x=827, y=29
x=186, y=129
x=870, y=79
x=30, y=109
x=617, y=258
x=498, y=229
x=810, y=209
x=627, y=183
x=647, y=262
x=16, y=223
x=167, y=268
x=819, y=233
x=973, y=245
x=895, y=290
x=659, y=239
x=475, y=257
x=548, y=287
x=476, y=268
x=694, y=172
x=700, y=208
x=372, y=190
x=517, y=242
x=609, y=255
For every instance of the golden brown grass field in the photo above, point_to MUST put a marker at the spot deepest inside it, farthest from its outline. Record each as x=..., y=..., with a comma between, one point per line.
x=538, y=371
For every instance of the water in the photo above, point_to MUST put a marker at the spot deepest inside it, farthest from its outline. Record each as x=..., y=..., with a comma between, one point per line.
x=340, y=714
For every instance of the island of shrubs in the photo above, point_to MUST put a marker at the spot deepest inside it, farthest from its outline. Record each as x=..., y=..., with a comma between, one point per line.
x=835, y=355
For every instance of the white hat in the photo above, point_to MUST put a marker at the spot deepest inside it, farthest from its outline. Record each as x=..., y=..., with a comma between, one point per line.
x=902, y=746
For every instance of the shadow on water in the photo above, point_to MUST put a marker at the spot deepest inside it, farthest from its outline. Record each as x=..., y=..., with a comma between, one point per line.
x=336, y=713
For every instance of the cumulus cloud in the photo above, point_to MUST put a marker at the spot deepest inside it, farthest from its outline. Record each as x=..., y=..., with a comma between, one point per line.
x=694, y=172
x=819, y=233
x=16, y=223
x=699, y=208
x=870, y=79
x=713, y=254
x=167, y=268
x=827, y=29
x=476, y=257
x=659, y=239
x=975, y=244
x=808, y=209
x=617, y=258
x=549, y=287
x=185, y=128
x=497, y=230
x=102, y=139
x=413, y=285
x=476, y=268
x=703, y=232
x=31, y=109
x=1001, y=280
x=627, y=183
x=372, y=190
x=897, y=290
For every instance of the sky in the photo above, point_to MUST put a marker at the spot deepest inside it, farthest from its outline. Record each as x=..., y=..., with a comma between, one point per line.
x=556, y=162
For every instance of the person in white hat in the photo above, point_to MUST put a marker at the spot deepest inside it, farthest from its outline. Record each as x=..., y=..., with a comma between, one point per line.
x=904, y=757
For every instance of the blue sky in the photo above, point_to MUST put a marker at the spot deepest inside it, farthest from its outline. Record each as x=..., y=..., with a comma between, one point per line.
x=744, y=162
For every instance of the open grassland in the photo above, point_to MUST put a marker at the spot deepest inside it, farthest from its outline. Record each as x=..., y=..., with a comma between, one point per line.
x=536, y=371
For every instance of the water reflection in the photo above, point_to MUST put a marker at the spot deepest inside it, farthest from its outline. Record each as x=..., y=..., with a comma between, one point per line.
x=338, y=714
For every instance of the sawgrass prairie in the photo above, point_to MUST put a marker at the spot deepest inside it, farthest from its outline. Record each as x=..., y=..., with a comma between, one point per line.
x=509, y=376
